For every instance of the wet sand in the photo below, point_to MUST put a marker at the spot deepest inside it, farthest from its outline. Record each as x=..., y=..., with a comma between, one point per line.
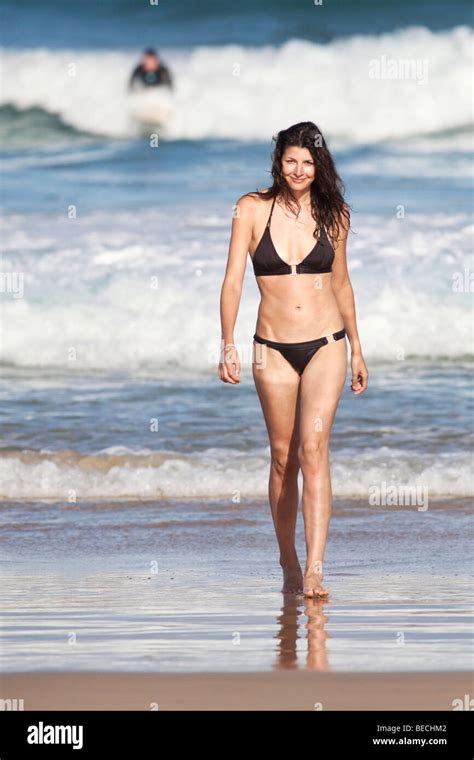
x=237, y=691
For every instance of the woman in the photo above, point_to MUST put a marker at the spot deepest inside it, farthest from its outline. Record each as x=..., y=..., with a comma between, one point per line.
x=299, y=353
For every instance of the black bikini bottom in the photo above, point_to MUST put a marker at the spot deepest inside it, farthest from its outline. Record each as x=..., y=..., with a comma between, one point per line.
x=299, y=354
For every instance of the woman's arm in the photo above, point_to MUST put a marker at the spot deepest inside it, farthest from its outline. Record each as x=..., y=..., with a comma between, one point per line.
x=344, y=295
x=231, y=292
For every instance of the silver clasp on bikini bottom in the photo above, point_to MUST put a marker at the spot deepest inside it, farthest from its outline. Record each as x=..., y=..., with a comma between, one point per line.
x=330, y=338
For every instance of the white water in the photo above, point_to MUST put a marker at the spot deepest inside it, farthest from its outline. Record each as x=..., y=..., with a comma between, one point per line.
x=216, y=474
x=248, y=93
x=96, y=294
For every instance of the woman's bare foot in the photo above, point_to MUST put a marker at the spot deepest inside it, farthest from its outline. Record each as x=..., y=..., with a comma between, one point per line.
x=292, y=580
x=312, y=582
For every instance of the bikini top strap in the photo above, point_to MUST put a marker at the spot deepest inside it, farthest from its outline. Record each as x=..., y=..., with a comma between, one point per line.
x=271, y=212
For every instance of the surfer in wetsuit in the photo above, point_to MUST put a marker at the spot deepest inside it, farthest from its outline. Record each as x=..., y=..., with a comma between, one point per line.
x=150, y=72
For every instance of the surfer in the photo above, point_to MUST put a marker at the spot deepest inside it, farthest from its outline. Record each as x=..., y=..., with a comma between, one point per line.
x=150, y=72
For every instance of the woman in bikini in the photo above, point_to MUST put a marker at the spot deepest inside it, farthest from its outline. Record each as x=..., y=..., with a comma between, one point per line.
x=307, y=309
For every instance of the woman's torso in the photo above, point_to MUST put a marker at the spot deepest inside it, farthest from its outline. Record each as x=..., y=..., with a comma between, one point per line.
x=293, y=307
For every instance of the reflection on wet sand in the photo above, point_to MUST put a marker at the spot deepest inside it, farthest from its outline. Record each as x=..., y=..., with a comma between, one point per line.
x=302, y=620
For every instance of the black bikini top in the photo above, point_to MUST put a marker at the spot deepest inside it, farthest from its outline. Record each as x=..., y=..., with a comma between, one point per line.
x=266, y=260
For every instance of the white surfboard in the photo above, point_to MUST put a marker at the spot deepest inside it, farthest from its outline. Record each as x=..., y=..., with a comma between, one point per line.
x=151, y=106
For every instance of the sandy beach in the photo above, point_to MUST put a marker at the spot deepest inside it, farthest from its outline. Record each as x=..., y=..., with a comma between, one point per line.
x=237, y=691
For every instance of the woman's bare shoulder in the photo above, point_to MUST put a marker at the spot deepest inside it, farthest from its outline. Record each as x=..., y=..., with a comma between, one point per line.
x=253, y=197
x=252, y=202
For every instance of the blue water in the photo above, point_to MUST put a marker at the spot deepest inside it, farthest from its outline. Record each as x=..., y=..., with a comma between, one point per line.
x=106, y=175
x=113, y=23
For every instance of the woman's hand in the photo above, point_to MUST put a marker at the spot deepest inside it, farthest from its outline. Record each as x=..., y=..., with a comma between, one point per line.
x=229, y=365
x=360, y=376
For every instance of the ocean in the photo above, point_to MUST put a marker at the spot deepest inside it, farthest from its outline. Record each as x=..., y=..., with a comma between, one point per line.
x=118, y=439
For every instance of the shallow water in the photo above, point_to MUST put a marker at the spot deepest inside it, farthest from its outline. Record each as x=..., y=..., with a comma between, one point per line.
x=193, y=587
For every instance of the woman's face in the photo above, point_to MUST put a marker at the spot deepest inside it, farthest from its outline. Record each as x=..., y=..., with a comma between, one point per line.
x=298, y=168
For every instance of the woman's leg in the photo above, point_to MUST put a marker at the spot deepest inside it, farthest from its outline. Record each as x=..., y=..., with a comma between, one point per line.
x=277, y=385
x=322, y=383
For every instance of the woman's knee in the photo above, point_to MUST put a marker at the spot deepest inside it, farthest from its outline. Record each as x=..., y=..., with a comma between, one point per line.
x=284, y=461
x=312, y=452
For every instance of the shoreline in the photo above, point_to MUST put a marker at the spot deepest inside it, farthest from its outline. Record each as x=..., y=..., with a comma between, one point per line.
x=410, y=691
